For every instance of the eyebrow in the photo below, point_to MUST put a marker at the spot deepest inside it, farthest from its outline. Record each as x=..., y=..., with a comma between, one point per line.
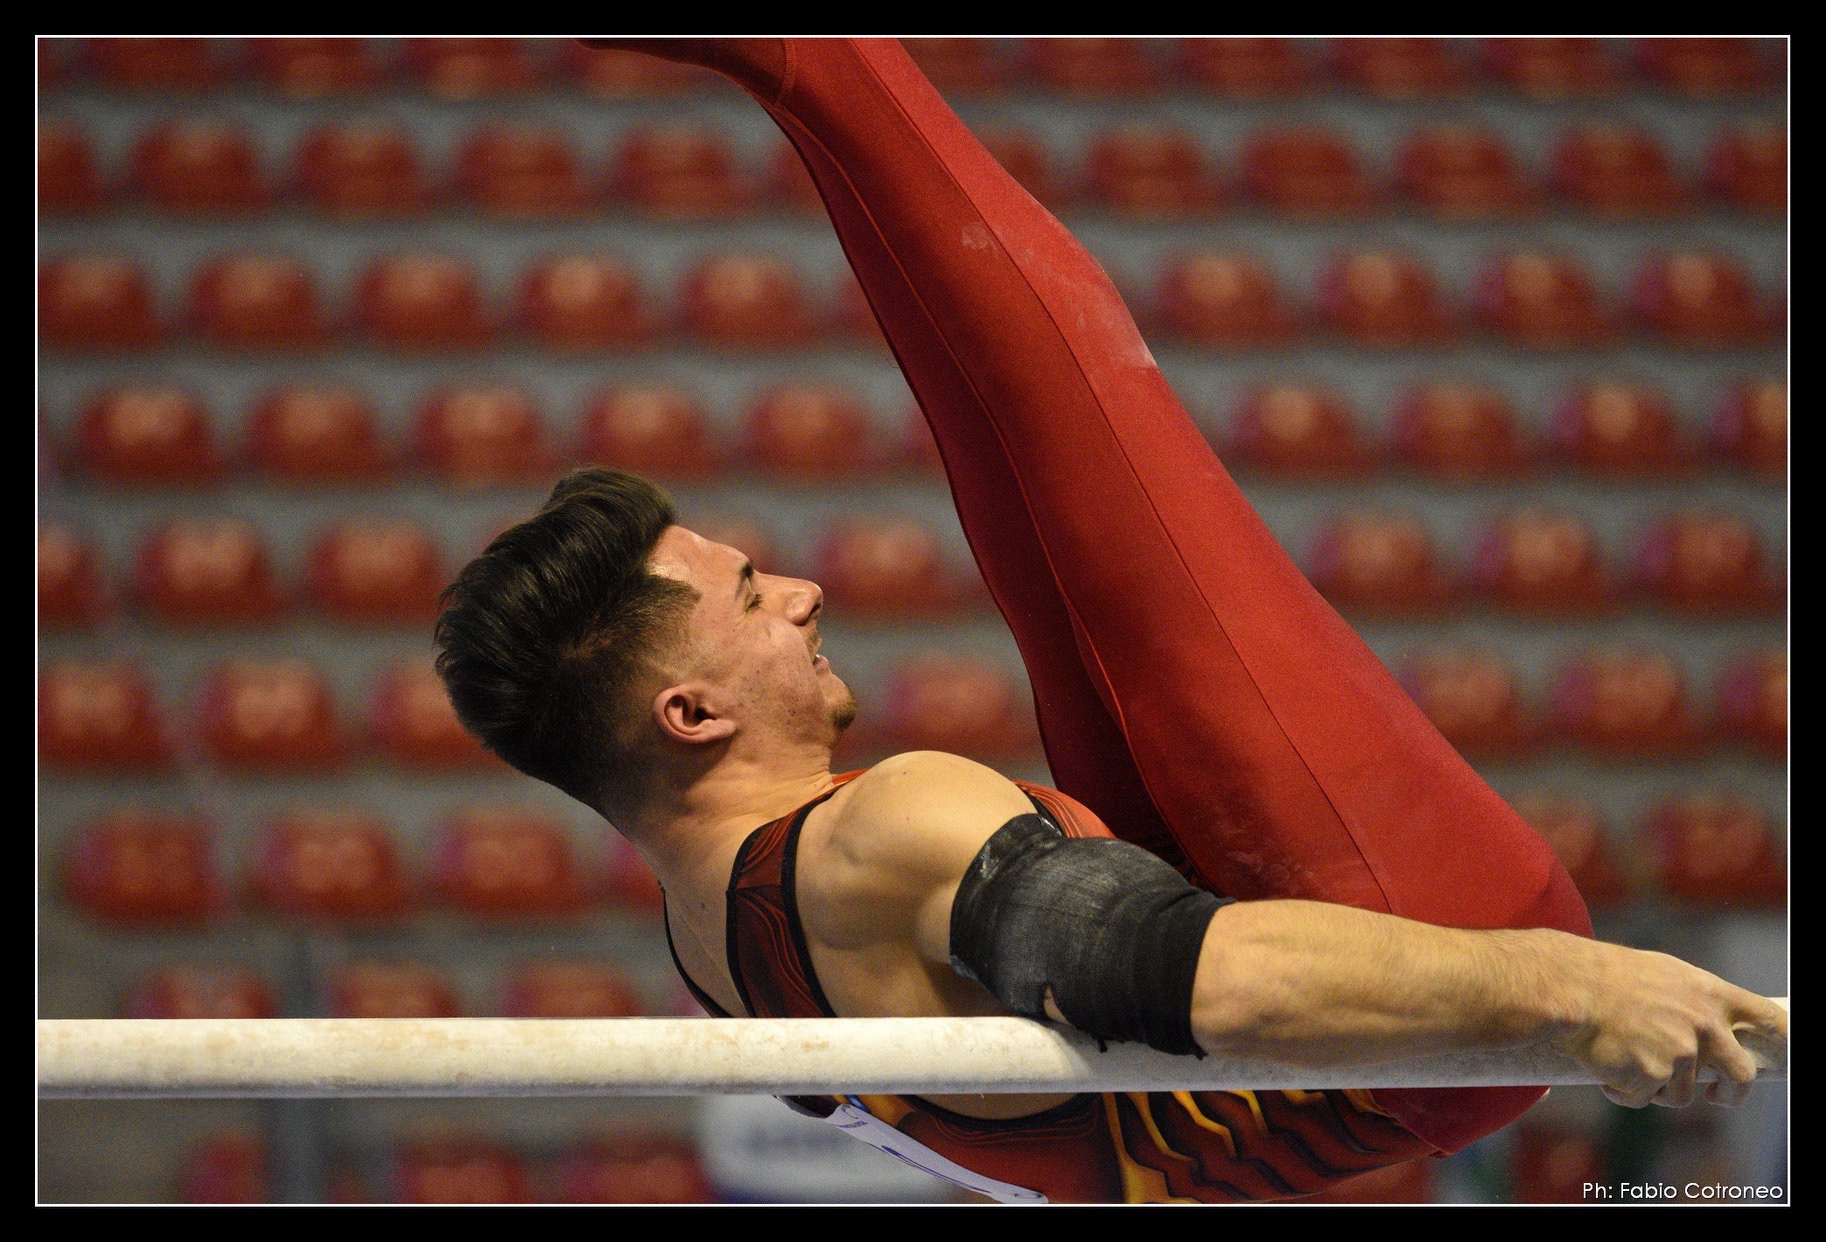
x=743, y=577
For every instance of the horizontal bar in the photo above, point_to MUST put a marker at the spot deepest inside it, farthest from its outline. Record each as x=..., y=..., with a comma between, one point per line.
x=321, y=1057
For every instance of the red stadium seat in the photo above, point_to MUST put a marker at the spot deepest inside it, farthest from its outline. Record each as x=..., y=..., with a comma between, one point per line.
x=1708, y=68
x=1625, y=703
x=422, y=302
x=198, y=168
x=482, y=435
x=651, y=429
x=471, y=68
x=1538, y=561
x=962, y=704
x=1700, y=299
x=885, y=569
x=633, y=1169
x=361, y=170
x=1753, y=701
x=520, y=172
x=324, y=436
x=257, y=302
x=1224, y=299
x=53, y=63
x=1716, y=849
x=959, y=66
x=211, y=990
x=413, y=725
x=918, y=452
x=1246, y=68
x=1615, y=170
x=69, y=580
x=1542, y=301
x=144, y=869
x=67, y=180
x=582, y=303
x=1474, y=701
x=679, y=171
x=1554, y=1163
x=788, y=184
x=1551, y=69
x=501, y=862
x=1025, y=158
x=1379, y=563
x=1751, y=426
x=153, y=436
x=1094, y=66
x=227, y=1168
x=809, y=431
x=95, y=302
x=391, y=990
x=746, y=301
x=161, y=65
x=629, y=884
x=376, y=571
x=629, y=75
x=202, y=571
x=95, y=716
x=1305, y=172
x=313, y=68
x=1459, y=431
x=1746, y=167
x=1619, y=429
x=1704, y=563
x=273, y=716
x=330, y=865
x=1298, y=431
x=466, y=1170
x=1383, y=298
x=1461, y=171
x=1577, y=834
x=547, y=989
x=852, y=315
x=1404, y=68
x=1151, y=171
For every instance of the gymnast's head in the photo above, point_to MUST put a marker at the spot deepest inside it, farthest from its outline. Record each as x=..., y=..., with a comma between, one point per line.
x=604, y=649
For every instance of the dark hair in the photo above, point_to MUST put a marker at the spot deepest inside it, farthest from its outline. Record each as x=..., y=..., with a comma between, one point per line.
x=543, y=637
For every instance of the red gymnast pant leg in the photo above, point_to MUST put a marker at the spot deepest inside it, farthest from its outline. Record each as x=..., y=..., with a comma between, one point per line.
x=1153, y=608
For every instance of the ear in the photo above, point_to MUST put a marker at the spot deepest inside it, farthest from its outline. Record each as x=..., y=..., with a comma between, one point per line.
x=689, y=713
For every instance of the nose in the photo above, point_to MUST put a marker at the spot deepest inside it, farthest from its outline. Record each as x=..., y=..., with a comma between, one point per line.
x=803, y=599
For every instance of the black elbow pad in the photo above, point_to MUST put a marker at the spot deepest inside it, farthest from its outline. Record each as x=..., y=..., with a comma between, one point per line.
x=1112, y=930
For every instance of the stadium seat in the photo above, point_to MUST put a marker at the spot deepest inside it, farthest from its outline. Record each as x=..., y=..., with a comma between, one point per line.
x=918, y=450
x=316, y=436
x=471, y=68
x=1227, y=300
x=652, y=429
x=1150, y=171
x=679, y=171
x=206, y=990
x=1576, y=831
x=568, y=989
x=391, y=990
x=361, y=170
x=411, y=723
x=1461, y=171
x=1751, y=426
x=959, y=703
x=376, y=571
x=268, y=716
x=54, y=64
x=959, y=66
x=1535, y=560
x=96, y=716
x=521, y=172
x=851, y=315
x=1753, y=701
x=746, y=301
x=1619, y=429
x=1747, y=168
x=144, y=869
x=198, y=168
x=1716, y=849
x=1549, y=69
x=1555, y=1162
x=1298, y=431
x=885, y=569
x=632, y=1168
x=1712, y=68
x=482, y=435
x=1246, y=68
x=68, y=182
x=70, y=595
x=1615, y=170
x=1704, y=562
x=460, y=1170
x=1116, y=67
x=1474, y=701
x=321, y=864
x=225, y=1168
x=163, y=65
x=1305, y=171
x=1459, y=431
x=510, y=863
x=788, y=185
x=1384, y=299
x=94, y=303
x=1542, y=300
x=1402, y=68
x=629, y=75
x=809, y=431
x=582, y=303
x=257, y=302
x=1624, y=704
x=629, y=884
x=1378, y=563
x=1700, y=299
x=1026, y=159
x=422, y=302
x=206, y=571
x=313, y=68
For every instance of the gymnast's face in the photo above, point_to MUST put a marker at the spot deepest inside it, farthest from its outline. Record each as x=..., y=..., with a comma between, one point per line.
x=750, y=658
